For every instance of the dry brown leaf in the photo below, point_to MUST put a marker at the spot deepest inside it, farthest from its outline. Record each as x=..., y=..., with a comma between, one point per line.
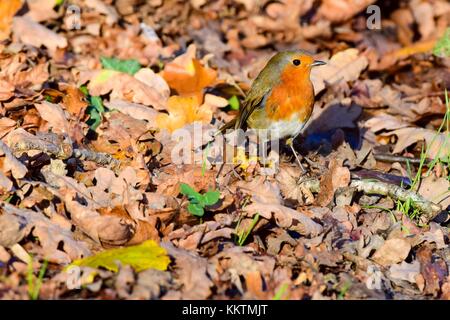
x=10, y=163
x=346, y=66
x=266, y=200
x=137, y=111
x=436, y=190
x=336, y=177
x=55, y=116
x=50, y=235
x=438, y=145
x=342, y=10
x=123, y=86
x=424, y=16
x=41, y=10
x=392, y=251
x=75, y=101
x=6, y=90
x=192, y=273
x=385, y=122
x=6, y=125
x=33, y=77
x=106, y=229
x=35, y=34
x=405, y=271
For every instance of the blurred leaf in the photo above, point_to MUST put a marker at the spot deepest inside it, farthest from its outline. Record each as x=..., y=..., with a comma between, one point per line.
x=196, y=210
x=7, y=11
x=130, y=66
x=147, y=255
x=442, y=47
x=95, y=111
x=211, y=197
x=234, y=103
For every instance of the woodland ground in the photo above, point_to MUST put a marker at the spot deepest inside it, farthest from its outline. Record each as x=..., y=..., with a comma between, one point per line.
x=90, y=92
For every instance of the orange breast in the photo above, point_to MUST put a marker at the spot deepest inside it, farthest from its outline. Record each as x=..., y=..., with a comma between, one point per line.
x=294, y=95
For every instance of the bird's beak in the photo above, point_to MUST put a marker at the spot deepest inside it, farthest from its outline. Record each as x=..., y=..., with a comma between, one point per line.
x=318, y=63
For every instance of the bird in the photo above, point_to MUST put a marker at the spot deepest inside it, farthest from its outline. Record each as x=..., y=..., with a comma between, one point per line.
x=280, y=100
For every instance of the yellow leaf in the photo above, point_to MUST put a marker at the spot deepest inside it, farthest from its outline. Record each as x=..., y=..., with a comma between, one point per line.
x=187, y=76
x=7, y=11
x=141, y=257
x=182, y=111
x=103, y=76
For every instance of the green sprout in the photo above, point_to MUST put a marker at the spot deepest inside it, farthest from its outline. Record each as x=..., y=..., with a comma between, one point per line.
x=197, y=201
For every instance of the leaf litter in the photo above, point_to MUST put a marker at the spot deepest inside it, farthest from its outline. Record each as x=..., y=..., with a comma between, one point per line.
x=87, y=179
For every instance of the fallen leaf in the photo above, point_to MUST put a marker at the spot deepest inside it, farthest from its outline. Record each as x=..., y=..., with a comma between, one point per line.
x=336, y=177
x=50, y=235
x=405, y=271
x=192, y=271
x=35, y=34
x=141, y=257
x=55, y=116
x=437, y=144
x=10, y=163
x=183, y=111
x=346, y=66
x=6, y=90
x=436, y=190
x=266, y=200
x=135, y=110
x=41, y=10
x=75, y=101
x=130, y=88
x=187, y=76
x=392, y=251
x=342, y=10
x=7, y=11
x=436, y=235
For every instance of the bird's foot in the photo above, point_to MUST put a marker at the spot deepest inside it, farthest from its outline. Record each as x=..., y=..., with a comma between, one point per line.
x=290, y=144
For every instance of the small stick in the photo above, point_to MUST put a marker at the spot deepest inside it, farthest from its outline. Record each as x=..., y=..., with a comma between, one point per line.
x=428, y=209
x=98, y=157
x=385, y=157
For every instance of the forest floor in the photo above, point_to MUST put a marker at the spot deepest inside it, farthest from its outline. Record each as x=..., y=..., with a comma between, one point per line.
x=98, y=200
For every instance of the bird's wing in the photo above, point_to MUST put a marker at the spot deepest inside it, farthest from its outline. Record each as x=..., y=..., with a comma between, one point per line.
x=251, y=103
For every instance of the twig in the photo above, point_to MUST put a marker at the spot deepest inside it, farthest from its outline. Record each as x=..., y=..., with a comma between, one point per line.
x=428, y=209
x=98, y=157
x=386, y=157
x=61, y=150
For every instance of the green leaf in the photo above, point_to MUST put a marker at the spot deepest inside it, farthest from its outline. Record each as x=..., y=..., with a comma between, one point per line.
x=95, y=111
x=128, y=66
x=442, y=47
x=97, y=103
x=234, y=103
x=147, y=255
x=95, y=118
x=196, y=210
x=84, y=90
x=211, y=197
x=188, y=191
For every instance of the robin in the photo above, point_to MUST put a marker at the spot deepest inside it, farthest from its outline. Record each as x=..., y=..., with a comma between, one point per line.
x=281, y=98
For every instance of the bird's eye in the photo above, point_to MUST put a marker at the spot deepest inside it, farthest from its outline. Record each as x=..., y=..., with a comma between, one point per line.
x=296, y=62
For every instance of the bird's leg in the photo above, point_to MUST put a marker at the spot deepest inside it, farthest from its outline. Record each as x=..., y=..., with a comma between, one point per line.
x=290, y=143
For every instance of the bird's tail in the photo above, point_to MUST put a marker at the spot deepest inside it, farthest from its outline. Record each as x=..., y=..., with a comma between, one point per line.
x=229, y=125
